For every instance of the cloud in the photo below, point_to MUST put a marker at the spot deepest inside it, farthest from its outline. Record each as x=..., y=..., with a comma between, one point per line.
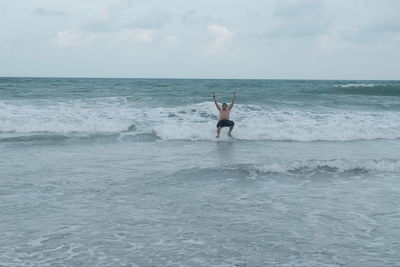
x=110, y=8
x=324, y=41
x=397, y=37
x=389, y=25
x=306, y=27
x=299, y=8
x=171, y=40
x=374, y=32
x=48, y=12
x=222, y=36
x=155, y=19
x=335, y=26
x=331, y=42
x=136, y=35
x=191, y=17
x=298, y=19
x=103, y=31
x=106, y=9
x=78, y=38
x=97, y=26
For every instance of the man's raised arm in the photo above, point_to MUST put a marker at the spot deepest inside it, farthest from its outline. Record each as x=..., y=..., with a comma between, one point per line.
x=215, y=101
x=233, y=100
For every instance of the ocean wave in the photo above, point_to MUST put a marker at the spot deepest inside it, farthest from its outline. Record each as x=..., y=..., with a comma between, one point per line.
x=193, y=122
x=372, y=89
x=334, y=167
x=330, y=166
x=34, y=138
x=356, y=85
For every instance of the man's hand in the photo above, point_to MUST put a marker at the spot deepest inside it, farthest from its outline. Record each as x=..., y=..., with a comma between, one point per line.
x=233, y=101
x=215, y=101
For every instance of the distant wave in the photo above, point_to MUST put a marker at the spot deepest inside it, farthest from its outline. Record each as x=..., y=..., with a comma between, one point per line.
x=378, y=89
x=349, y=85
x=113, y=117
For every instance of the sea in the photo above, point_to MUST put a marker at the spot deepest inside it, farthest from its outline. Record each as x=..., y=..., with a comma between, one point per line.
x=128, y=172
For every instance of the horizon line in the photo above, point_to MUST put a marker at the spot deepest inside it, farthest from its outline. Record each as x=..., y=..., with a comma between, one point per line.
x=192, y=78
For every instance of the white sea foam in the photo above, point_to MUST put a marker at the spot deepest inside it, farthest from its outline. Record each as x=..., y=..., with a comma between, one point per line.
x=329, y=166
x=349, y=85
x=195, y=122
x=352, y=167
x=64, y=117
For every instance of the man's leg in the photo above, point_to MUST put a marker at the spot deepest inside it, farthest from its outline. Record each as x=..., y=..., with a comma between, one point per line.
x=218, y=131
x=230, y=130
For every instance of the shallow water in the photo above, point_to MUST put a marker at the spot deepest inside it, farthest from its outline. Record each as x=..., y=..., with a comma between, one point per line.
x=120, y=190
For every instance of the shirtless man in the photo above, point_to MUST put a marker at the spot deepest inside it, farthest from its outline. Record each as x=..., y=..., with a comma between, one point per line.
x=224, y=115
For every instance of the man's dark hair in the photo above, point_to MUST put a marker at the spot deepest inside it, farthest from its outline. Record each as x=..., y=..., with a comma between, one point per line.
x=225, y=104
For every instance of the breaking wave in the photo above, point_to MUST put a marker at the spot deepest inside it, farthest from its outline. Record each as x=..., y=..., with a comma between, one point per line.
x=115, y=116
x=330, y=166
x=356, y=85
x=298, y=168
x=372, y=89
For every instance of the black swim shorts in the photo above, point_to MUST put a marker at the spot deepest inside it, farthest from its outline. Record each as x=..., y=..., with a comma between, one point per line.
x=225, y=123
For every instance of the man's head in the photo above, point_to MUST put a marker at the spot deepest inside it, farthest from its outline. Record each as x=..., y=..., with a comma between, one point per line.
x=224, y=106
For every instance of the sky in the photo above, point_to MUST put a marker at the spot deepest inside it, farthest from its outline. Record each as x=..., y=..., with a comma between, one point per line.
x=261, y=39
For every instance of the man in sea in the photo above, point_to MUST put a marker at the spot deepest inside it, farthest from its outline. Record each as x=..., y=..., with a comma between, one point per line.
x=224, y=115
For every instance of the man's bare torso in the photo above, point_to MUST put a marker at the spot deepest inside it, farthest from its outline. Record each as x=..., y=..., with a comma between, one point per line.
x=224, y=114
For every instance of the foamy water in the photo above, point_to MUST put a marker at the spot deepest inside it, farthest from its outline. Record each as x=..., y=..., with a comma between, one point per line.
x=349, y=85
x=195, y=122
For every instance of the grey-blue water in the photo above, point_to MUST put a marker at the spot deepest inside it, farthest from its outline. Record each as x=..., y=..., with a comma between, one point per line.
x=128, y=172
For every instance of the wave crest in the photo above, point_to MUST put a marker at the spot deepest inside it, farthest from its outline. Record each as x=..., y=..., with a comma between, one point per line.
x=307, y=168
x=372, y=89
x=356, y=85
x=195, y=122
x=334, y=166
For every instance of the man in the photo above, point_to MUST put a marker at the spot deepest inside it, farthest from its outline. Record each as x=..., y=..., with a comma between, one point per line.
x=224, y=115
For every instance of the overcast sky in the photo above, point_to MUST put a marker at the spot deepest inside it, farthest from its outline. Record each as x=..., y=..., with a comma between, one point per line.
x=306, y=39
